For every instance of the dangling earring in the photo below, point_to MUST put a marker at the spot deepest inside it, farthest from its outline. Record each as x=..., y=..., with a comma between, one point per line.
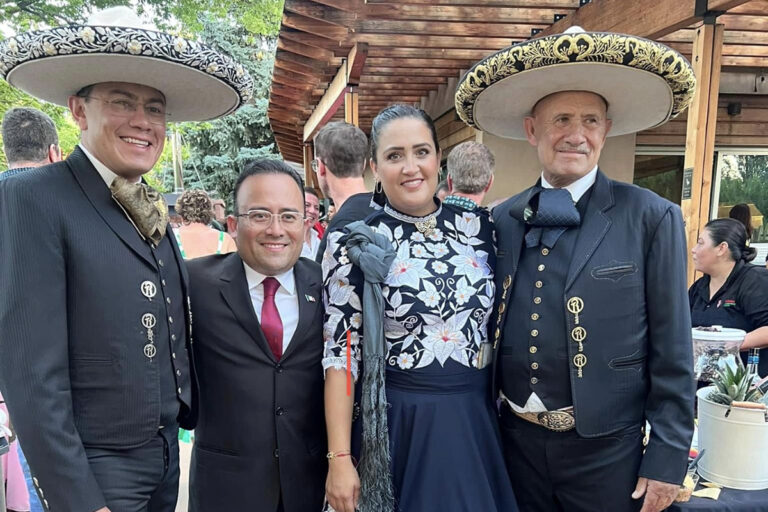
x=378, y=199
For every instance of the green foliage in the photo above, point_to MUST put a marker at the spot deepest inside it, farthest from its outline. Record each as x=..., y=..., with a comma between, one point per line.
x=261, y=17
x=219, y=149
x=69, y=134
x=748, y=184
x=733, y=385
x=215, y=152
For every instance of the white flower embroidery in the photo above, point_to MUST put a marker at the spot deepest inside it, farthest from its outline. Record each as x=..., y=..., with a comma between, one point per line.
x=463, y=292
x=439, y=250
x=212, y=68
x=468, y=262
x=418, y=251
x=339, y=289
x=134, y=47
x=405, y=270
x=405, y=361
x=13, y=46
x=445, y=339
x=356, y=321
x=468, y=223
x=439, y=267
x=436, y=235
x=180, y=45
x=430, y=295
x=87, y=35
x=417, y=237
x=49, y=49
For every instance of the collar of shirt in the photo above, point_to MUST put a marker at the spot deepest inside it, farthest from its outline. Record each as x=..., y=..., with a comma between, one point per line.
x=462, y=202
x=106, y=174
x=286, y=279
x=579, y=187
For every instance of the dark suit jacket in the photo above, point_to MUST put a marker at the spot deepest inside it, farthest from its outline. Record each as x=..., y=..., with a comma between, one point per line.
x=629, y=268
x=261, y=429
x=71, y=364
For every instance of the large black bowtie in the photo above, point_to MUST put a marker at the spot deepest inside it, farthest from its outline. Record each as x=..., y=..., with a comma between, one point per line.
x=551, y=211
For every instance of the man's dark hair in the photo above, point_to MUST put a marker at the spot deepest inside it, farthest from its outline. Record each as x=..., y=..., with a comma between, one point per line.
x=266, y=166
x=311, y=190
x=27, y=135
x=342, y=147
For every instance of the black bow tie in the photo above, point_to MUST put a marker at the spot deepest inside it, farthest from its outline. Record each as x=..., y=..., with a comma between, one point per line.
x=550, y=212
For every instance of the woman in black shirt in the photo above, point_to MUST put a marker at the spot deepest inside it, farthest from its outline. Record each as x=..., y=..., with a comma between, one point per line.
x=732, y=293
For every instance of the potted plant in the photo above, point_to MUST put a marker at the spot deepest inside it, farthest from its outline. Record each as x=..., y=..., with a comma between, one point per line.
x=733, y=428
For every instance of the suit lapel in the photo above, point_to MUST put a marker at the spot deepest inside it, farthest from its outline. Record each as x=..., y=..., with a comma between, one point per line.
x=234, y=289
x=100, y=197
x=593, y=227
x=307, y=285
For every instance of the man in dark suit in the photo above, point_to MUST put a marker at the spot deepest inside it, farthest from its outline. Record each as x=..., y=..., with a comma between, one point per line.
x=592, y=325
x=29, y=140
x=95, y=350
x=260, y=441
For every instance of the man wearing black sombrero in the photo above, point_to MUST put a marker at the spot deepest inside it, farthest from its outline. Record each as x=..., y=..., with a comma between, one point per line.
x=95, y=355
x=592, y=330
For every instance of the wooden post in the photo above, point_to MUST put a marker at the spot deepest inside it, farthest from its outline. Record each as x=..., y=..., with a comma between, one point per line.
x=351, y=107
x=309, y=174
x=700, y=138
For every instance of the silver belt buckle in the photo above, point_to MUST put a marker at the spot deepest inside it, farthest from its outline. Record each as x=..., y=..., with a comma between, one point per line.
x=557, y=421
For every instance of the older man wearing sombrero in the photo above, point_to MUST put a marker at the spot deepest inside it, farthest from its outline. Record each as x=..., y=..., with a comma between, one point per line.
x=95, y=357
x=592, y=330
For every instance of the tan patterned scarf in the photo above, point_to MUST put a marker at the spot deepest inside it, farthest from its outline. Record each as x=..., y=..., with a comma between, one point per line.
x=144, y=205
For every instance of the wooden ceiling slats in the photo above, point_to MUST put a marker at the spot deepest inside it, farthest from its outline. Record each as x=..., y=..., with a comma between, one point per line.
x=415, y=46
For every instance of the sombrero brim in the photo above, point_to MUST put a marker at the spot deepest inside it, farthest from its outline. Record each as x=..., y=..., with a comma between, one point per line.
x=645, y=83
x=198, y=82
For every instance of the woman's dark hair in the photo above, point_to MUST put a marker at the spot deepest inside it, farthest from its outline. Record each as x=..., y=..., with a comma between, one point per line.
x=741, y=213
x=734, y=234
x=383, y=118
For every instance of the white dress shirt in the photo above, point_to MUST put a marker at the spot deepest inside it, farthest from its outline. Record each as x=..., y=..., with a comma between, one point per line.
x=309, y=250
x=577, y=189
x=286, y=299
x=106, y=174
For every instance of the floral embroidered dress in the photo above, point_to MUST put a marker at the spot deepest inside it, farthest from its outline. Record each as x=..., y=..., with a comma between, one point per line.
x=444, y=441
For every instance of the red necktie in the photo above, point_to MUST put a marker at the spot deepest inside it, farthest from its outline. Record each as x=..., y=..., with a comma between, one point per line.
x=271, y=324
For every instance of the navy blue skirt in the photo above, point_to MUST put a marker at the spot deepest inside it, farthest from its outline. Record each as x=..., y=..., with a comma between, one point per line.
x=445, y=443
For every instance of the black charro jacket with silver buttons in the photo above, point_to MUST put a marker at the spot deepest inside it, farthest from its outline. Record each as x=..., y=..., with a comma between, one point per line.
x=629, y=268
x=73, y=368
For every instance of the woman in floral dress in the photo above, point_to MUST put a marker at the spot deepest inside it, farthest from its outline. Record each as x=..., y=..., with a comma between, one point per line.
x=444, y=444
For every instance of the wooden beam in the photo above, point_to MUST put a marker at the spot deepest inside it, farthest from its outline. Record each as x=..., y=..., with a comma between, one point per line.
x=301, y=69
x=480, y=12
x=306, y=50
x=700, y=139
x=492, y=44
x=457, y=29
x=574, y=4
x=383, y=87
x=313, y=40
x=650, y=18
x=386, y=79
x=469, y=54
x=420, y=63
x=319, y=28
x=373, y=71
x=351, y=108
x=349, y=72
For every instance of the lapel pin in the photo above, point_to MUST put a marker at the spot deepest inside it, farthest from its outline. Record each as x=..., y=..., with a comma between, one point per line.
x=310, y=298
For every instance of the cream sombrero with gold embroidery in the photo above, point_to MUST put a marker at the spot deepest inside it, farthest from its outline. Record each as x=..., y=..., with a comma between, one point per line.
x=199, y=82
x=644, y=82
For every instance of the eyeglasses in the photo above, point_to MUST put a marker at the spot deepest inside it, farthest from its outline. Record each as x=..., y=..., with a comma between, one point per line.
x=124, y=107
x=263, y=218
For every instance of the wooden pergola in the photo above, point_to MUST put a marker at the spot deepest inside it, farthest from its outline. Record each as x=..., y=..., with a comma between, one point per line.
x=363, y=55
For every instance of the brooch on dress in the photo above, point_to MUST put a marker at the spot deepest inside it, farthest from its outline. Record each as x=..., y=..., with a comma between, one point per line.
x=427, y=226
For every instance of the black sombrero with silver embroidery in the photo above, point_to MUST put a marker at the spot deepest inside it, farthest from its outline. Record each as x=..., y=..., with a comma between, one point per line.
x=199, y=82
x=644, y=82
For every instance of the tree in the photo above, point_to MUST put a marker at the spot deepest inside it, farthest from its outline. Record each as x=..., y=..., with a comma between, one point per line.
x=750, y=185
x=219, y=149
